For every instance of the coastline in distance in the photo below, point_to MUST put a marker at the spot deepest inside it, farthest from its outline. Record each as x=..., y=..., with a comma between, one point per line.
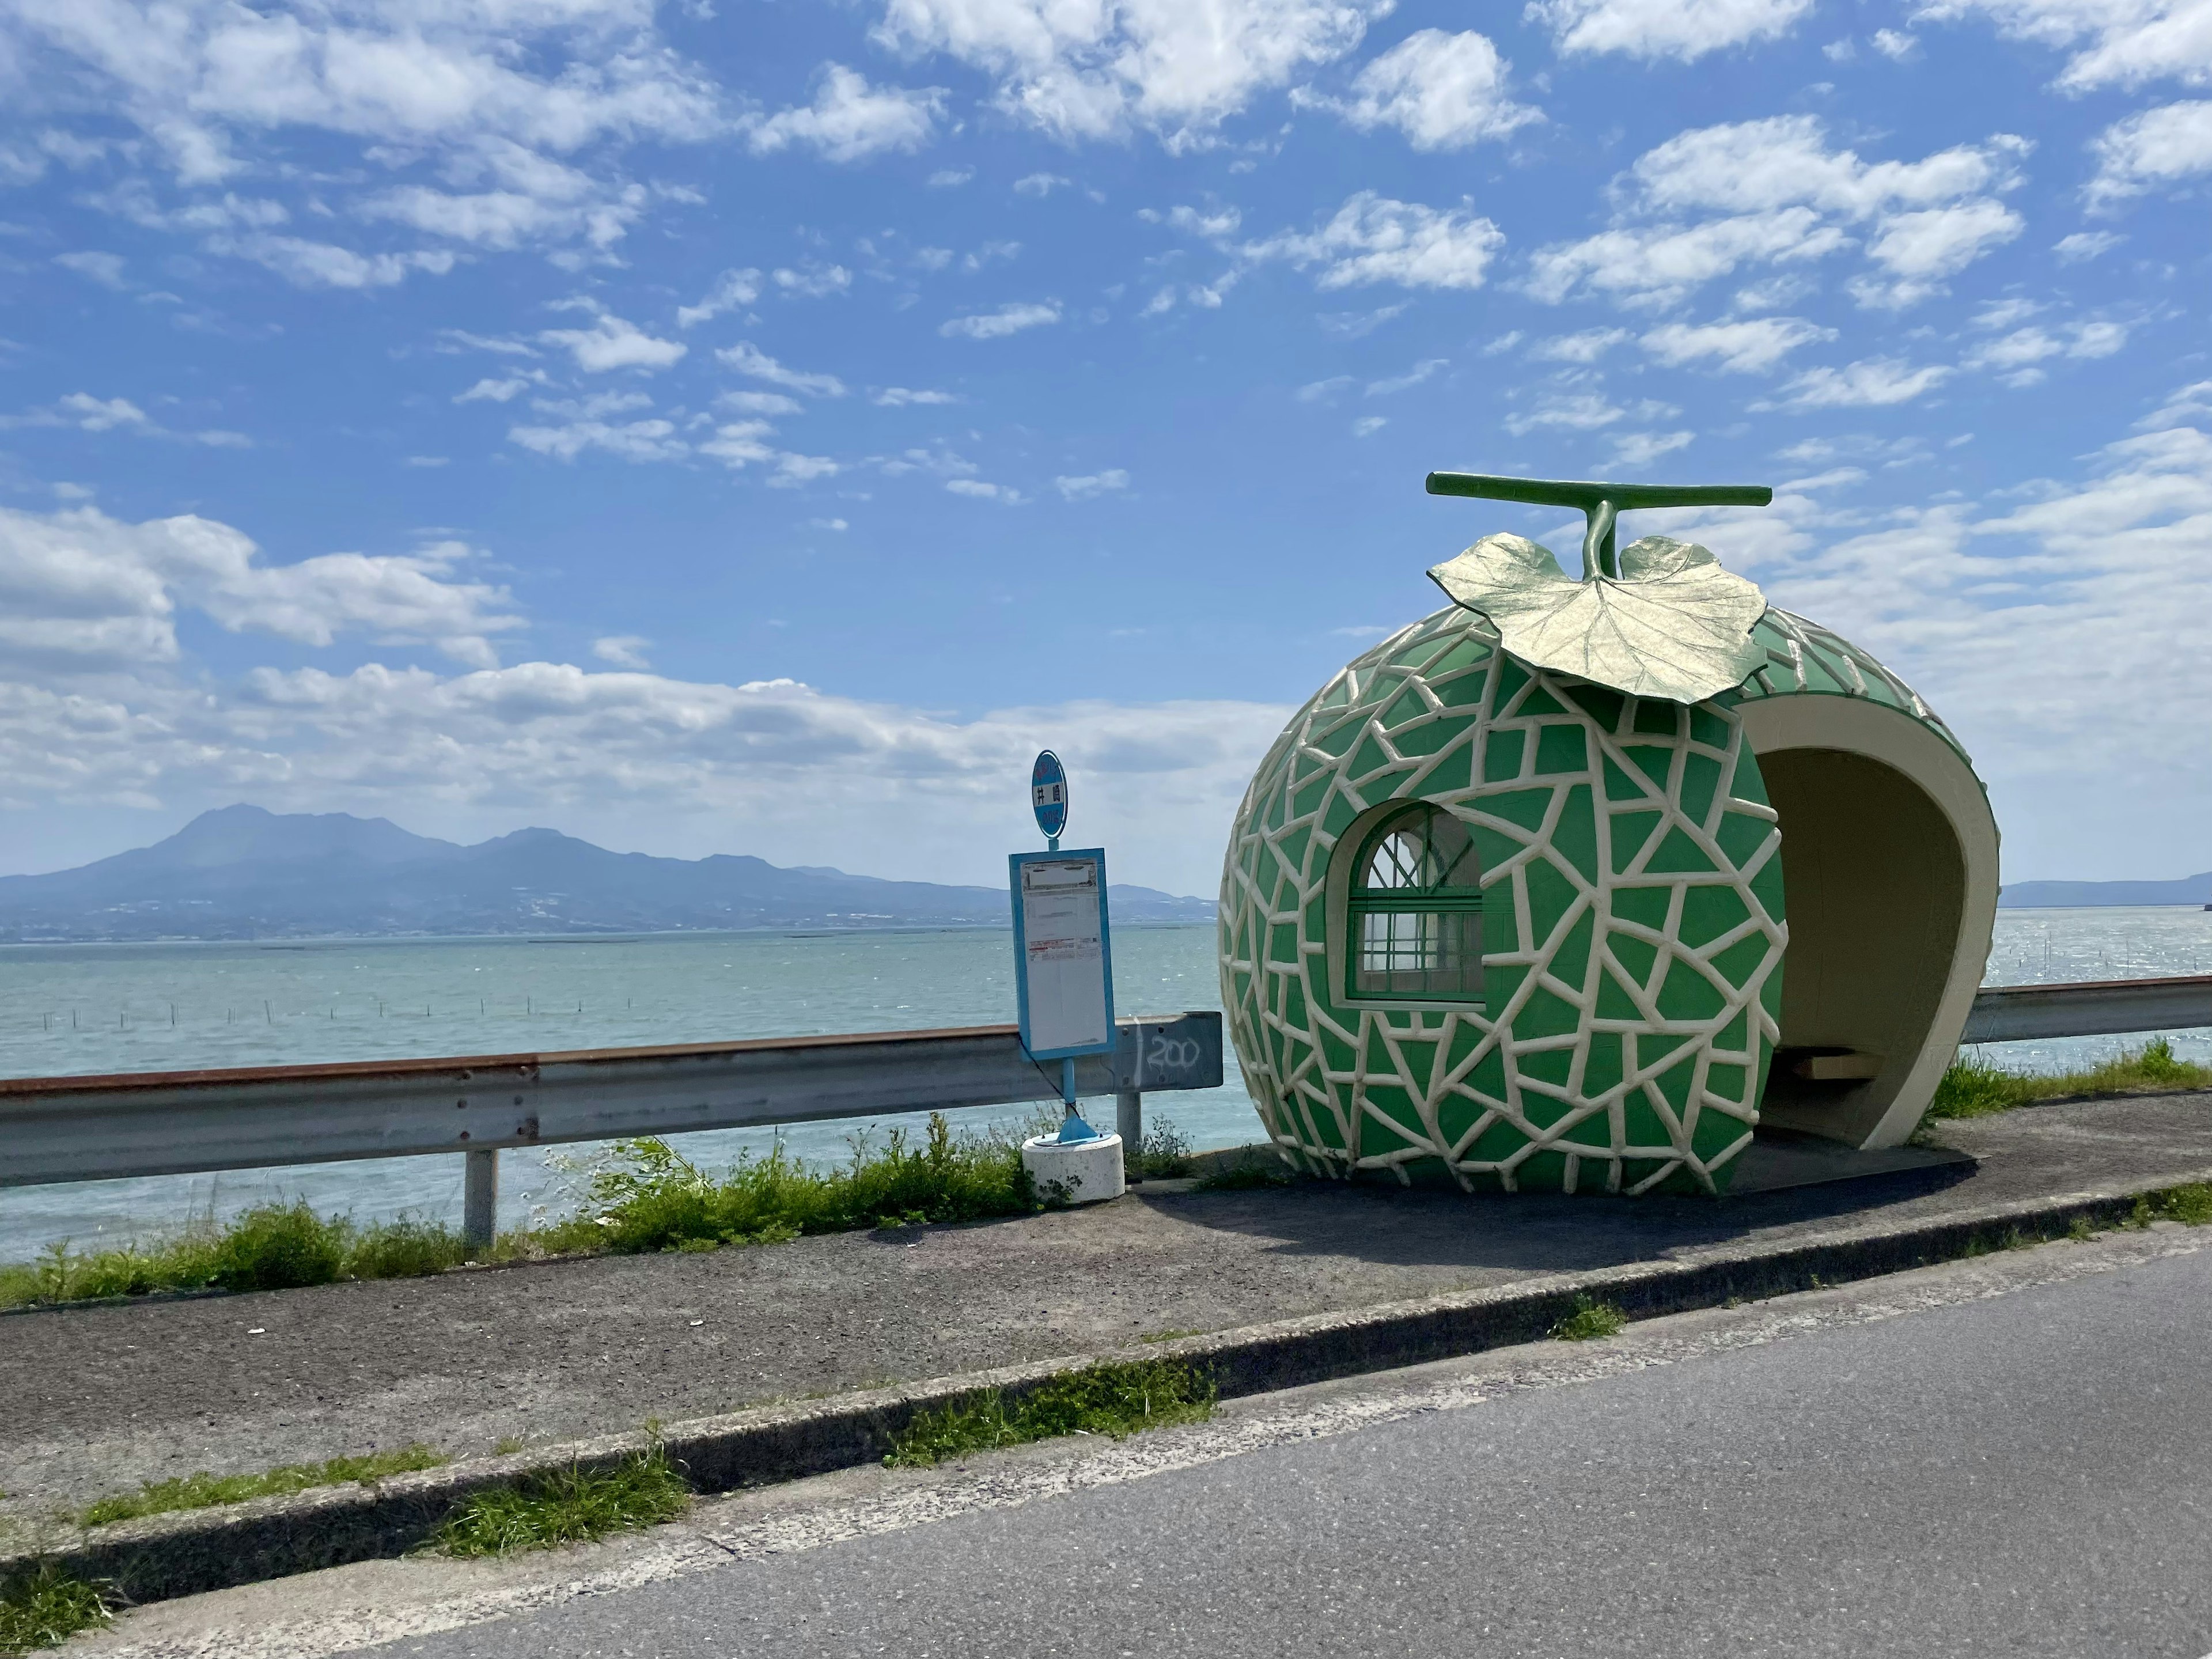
x=245, y=872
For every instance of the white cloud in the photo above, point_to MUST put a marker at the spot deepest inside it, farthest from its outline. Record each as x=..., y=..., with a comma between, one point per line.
x=1092, y=484
x=1213, y=223
x=1752, y=346
x=901, y=396
x=814, y=281
x=1177, y=68
x=989, y=253
x=80, y=592
x=1661, y=264
x=850, y=120
x=2083, y=575
x=480, y=102
x=2085, y=245
x=2123, y=43
x=1368, y=425
x=1633, y=449
x=2154, y=147
x=498, y=391
x=984, y=492
x=733, y=290
x=198, y=78
x=513, y=197
x=623, y=650
x=106, y=269
x=1894, y=45
x=749, y=361
x=1870, y=383
x=306, y=263
x=1358, y=325
x=1039, y=184
x=772, y=768
x=593, y=406
x=1586, y=347
x=1374, y=239
x=1426, y=369
x=950, y=178
x=1686, y=29
x=1580, y=412
x=101, y=415
x=2015, y=355
x=1784, y=160
x=634, y=441
x=1775, y=193
x=1009, y=319
x=86, y=413
x=1920, y=248
x=460, y=339
x=1442, y=91
x=758, y=403
x=610, y=342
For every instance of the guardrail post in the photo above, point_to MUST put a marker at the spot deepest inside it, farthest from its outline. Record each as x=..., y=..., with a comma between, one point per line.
x=1129, y=1124
x=480, y=1199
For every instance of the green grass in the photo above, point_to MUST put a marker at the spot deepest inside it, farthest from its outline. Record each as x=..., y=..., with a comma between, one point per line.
x=2191, y=1205
x=46, y=1607
x=640, y=1195
x=573, y=1505
x=203, y=1491
x=1163, y=1153
x=646, y=1196
x=1589, y=1321
x=274, y=1247
x=1109, y=1400
x=1973, y=1087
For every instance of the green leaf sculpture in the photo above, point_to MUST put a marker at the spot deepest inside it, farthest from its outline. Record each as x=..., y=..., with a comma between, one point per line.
x=1660, y=618
x=1674, y=625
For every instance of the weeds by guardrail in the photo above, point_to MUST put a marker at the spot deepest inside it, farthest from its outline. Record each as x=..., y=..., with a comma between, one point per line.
x=640, y=1196
x=1974, y=1087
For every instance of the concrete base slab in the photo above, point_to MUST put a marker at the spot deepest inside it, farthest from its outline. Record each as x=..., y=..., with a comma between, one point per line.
x=1777, y=1159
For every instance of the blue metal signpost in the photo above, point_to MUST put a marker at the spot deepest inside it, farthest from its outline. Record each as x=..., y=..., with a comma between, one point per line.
x=1049, y=796
x=1063, y=947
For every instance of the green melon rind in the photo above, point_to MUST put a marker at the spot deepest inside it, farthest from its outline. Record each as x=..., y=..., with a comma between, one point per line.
x=1627, y=1026
x=1806, y=659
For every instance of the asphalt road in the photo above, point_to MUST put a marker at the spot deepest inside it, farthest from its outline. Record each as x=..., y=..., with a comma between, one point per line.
x=2029, y=1473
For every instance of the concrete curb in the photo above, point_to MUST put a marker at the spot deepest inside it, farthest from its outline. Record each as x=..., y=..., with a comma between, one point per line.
x=189, y=1552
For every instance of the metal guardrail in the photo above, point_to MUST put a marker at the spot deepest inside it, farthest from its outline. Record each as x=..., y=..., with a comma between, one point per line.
x=90, y=1128
x=2008, y=1013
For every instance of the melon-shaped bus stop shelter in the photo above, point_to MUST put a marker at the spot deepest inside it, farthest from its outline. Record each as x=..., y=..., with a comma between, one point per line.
x=1569, y=886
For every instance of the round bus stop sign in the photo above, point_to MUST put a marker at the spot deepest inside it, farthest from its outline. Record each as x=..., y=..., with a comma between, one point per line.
x=1048, y=794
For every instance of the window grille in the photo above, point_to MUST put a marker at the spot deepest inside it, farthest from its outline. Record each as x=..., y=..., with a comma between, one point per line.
x=1416, y=911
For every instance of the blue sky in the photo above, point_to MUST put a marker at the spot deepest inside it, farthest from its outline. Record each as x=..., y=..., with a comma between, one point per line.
x=746, y=427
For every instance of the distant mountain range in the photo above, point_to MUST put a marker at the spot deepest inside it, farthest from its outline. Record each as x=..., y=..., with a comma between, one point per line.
x=243, y=872
x=2190, y=889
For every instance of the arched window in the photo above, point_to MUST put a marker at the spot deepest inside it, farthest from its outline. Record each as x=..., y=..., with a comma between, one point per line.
x=1415, y=911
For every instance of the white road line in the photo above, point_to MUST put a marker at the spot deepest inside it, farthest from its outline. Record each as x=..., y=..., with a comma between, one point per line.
x=349, y=1608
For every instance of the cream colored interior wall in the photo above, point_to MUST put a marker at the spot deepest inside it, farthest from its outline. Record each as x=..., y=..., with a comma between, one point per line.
x=1876, y=886
x=1889, y=868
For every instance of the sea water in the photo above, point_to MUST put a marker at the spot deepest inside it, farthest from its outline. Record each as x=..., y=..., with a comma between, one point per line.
x=70, y=1009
